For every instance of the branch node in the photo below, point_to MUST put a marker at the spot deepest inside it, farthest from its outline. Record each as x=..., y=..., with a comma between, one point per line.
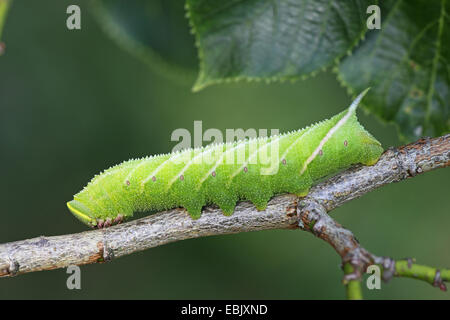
x=410, y=262
x=12, y=269
x=389, y=268
x=360, y=259
x=438, y=282
x=106, y=252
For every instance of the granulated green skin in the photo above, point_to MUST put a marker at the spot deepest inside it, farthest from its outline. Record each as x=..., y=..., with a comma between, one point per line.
x=182, y=179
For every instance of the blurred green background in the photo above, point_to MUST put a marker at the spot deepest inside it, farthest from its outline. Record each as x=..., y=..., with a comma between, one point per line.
x=74, y=103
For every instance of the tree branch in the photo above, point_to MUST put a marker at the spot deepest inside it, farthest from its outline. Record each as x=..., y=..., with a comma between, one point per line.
x=283, y=212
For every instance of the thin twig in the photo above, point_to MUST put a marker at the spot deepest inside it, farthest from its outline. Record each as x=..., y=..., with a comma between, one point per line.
x=407, y=161
x=45, y=253
x=356, y=259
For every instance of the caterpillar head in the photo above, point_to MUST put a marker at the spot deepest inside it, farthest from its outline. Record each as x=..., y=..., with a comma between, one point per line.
x=82, y=213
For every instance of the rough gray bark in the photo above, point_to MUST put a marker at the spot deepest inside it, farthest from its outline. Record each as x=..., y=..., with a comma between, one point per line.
x=283, y=212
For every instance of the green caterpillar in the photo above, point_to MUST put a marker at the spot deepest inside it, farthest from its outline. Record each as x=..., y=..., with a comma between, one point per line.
x=222, y=174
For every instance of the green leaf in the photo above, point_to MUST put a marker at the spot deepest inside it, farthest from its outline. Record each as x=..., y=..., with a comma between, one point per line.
x=152, y=31
x=407, y=64
x=272, y=39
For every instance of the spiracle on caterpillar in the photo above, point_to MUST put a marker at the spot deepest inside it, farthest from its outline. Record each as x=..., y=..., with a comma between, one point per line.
x=223, y=174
